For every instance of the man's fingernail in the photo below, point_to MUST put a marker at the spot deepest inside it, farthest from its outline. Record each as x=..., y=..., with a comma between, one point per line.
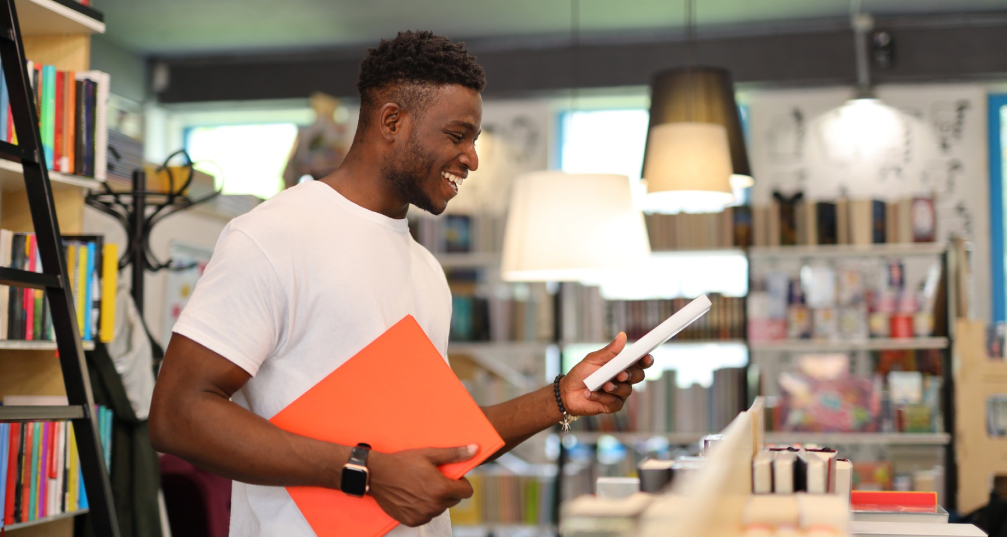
x=472, y=448
x=590, y=395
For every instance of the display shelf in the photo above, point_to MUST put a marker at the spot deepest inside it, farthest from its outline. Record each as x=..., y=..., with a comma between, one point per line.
x=636, y=437
x=55, y=17
x=23, y=345
x=874, y=439
x=847, y=250
x=469, y=260
x=12, y=178
x=876, y=344
x=19, y=525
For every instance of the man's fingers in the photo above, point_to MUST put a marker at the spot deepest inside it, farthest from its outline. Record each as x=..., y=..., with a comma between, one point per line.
x=459, y=489
x=439, y=456
x=612, y=349
x=611, y=402
x=618, y=389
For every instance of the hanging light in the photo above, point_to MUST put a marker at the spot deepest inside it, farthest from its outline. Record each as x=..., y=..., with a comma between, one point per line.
x=688, y=141
x=572, y=227
x=705, y=95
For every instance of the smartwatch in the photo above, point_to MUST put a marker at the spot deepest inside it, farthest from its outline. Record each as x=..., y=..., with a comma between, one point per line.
x=355, y=479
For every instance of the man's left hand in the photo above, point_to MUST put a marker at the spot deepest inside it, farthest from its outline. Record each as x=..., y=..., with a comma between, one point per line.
x=579, y=401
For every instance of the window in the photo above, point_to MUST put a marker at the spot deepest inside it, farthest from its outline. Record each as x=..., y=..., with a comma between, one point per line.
x=248, y=159
x=604, y=141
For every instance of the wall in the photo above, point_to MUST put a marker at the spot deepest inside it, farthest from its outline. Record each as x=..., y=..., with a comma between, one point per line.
x=129, y=71
x=933, y=142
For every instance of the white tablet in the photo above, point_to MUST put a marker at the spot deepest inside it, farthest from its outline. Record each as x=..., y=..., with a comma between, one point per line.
x=654, y=339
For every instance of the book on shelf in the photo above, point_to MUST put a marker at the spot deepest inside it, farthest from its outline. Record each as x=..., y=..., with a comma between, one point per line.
x=455, y=233
x=730, y=228
x=72, y=109
x=660, y=406
x=500, y=498
x=93, y=270
x=41, y=470
x=797, y=221
x=485, y=311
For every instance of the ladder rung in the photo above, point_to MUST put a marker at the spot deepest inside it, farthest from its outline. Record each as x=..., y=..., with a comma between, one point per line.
x=11, y=152
x=23, y=278
x=41, y=413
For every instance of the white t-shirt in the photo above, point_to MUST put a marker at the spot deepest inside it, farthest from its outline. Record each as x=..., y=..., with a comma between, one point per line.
x=294, y=289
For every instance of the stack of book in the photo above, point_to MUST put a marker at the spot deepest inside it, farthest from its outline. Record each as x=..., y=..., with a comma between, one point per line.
x=660, y=406
x=486, y=312
x=794, y=221
x=730, y=228
x=40, y=471
x=72, y=110
x=503, y=498
x=454, y=233
x=93, y=269
x=726, y=319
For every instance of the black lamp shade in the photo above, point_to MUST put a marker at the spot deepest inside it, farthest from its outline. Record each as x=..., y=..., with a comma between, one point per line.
x=700, y=95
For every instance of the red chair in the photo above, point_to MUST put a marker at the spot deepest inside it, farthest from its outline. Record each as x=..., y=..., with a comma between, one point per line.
x=198, y=502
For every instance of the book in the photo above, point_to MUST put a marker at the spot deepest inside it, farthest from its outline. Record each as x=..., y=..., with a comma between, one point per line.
x=5, y=431
x=878, y=222
x=9, y=479
x=827, y=223
x=109, y=282
x=439, y=413
x=785, y=477
x=762, y=472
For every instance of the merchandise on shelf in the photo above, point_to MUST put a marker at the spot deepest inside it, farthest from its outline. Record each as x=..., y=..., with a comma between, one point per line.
x=453, y=233
x=484, y=311
x=846, y=300
x=730, y=228
x=41, y=476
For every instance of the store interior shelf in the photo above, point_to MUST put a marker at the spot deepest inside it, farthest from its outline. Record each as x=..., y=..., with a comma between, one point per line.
x=635, y=437
x=877, y=344
x=877, y=439
x=847, y=250
x=23, y=345
x=11, y=178
x=54, y=17
x=60, y=516
x=469, y=260
x=498, y=347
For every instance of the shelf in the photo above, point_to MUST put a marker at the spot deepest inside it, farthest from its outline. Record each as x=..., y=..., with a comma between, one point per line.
x=877, y=439
x=23, y=345
x=61, y=516
x=469, y=260
x=498, y=347
x=41, y=413
x=634, y=437
x=12, y=178
x=877, y=344
x=713, y=252
x=54, y=17
x=846, y=250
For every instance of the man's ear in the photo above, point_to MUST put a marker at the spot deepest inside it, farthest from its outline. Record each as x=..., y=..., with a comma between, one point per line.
x=391, y=121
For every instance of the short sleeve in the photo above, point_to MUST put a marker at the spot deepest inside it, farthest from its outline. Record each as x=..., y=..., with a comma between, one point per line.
x=238, y=306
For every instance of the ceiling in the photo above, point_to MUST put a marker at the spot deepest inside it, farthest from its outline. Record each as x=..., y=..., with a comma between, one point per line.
x=198, y=27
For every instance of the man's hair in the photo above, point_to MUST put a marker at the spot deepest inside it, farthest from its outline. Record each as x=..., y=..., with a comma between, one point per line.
x=404, y=70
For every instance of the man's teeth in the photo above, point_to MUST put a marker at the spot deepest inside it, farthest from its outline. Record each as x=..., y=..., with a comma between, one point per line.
x=454, y=179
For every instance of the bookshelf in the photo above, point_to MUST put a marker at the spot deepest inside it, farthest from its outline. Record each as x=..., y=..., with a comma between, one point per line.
x=846, y=250
x=55, y=33
x=873, y=344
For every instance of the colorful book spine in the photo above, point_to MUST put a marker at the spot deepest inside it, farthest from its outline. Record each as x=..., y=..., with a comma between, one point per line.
x=4, y=106
x=81, y=285
x=109, y=279
x=48, y=113
x=5, y=431
x=59, y=112
x=10, y=477
x=88, y=293
x=70, y=129
x=29, y=294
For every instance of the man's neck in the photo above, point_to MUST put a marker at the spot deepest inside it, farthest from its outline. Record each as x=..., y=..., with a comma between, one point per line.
x=365, y=186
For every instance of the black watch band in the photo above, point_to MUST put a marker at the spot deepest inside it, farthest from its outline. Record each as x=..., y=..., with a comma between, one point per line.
x=355, y=478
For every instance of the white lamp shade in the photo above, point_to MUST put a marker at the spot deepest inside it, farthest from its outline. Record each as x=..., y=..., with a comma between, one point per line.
x=688, y=167
x=571, y=227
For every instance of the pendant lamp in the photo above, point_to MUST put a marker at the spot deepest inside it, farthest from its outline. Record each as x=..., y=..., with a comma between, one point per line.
x=572, y=227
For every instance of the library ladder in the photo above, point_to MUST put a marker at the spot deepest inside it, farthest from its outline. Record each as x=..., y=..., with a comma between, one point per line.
x=54, y=280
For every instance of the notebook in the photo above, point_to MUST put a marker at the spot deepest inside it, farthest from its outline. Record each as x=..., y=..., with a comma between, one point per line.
x=397, y=393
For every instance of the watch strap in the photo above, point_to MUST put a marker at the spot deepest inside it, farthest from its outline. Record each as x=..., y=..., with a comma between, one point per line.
x=359, y=454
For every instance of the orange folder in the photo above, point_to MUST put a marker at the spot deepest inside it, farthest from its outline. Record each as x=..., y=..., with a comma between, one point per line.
x=397, y=393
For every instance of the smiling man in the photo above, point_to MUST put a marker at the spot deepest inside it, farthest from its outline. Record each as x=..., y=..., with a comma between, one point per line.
x=299, y=285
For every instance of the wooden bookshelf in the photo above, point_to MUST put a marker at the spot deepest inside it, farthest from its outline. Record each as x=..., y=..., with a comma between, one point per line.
x=12, y=180
x=22, y=345
x=875, y=344
x=54, y=518
x=53, y=17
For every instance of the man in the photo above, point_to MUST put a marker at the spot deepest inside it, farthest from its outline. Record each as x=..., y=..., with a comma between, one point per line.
x=306, y=280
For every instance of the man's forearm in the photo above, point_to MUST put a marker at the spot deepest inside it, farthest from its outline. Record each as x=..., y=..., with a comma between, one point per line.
x=520, y=418
x=226, y=439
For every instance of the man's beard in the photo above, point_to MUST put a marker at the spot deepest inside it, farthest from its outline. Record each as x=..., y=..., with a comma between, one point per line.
x=407, y=176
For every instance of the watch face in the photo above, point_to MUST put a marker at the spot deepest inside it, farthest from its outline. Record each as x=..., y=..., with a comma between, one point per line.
x=353, y=481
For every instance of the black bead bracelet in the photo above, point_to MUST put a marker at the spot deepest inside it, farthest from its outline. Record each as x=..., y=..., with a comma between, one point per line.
x=567, y=418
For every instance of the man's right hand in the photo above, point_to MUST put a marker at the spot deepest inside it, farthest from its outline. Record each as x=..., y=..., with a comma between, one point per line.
x=409, y=487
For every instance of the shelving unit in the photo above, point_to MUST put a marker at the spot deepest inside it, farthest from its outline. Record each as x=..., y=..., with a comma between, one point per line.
x=50, y=32
x=22, y=525
x=874, y=344
x=846, y=250
x=876, y=439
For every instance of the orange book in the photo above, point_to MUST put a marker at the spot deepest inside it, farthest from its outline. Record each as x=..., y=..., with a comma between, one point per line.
x=397, y=393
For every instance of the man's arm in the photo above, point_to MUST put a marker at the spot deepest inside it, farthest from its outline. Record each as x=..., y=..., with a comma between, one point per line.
x=520, y=418
x=192, y=416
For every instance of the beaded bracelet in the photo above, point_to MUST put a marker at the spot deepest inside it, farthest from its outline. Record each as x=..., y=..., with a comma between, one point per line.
x=567, y=418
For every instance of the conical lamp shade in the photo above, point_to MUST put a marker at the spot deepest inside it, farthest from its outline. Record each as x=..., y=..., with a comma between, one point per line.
x=688, y=167
x=702, y=95
x=572, y=227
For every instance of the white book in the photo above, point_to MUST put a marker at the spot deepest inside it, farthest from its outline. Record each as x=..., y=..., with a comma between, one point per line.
x=653, y=339
x=6, y=240
x=844, y=478
x=815, y=472
x=762, y=472
x=783, y=471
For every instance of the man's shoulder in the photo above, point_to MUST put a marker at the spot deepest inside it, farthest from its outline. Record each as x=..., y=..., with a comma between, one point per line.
x=286, y=214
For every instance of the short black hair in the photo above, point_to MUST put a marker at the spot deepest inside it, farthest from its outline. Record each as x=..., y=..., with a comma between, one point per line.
x=409, y=65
